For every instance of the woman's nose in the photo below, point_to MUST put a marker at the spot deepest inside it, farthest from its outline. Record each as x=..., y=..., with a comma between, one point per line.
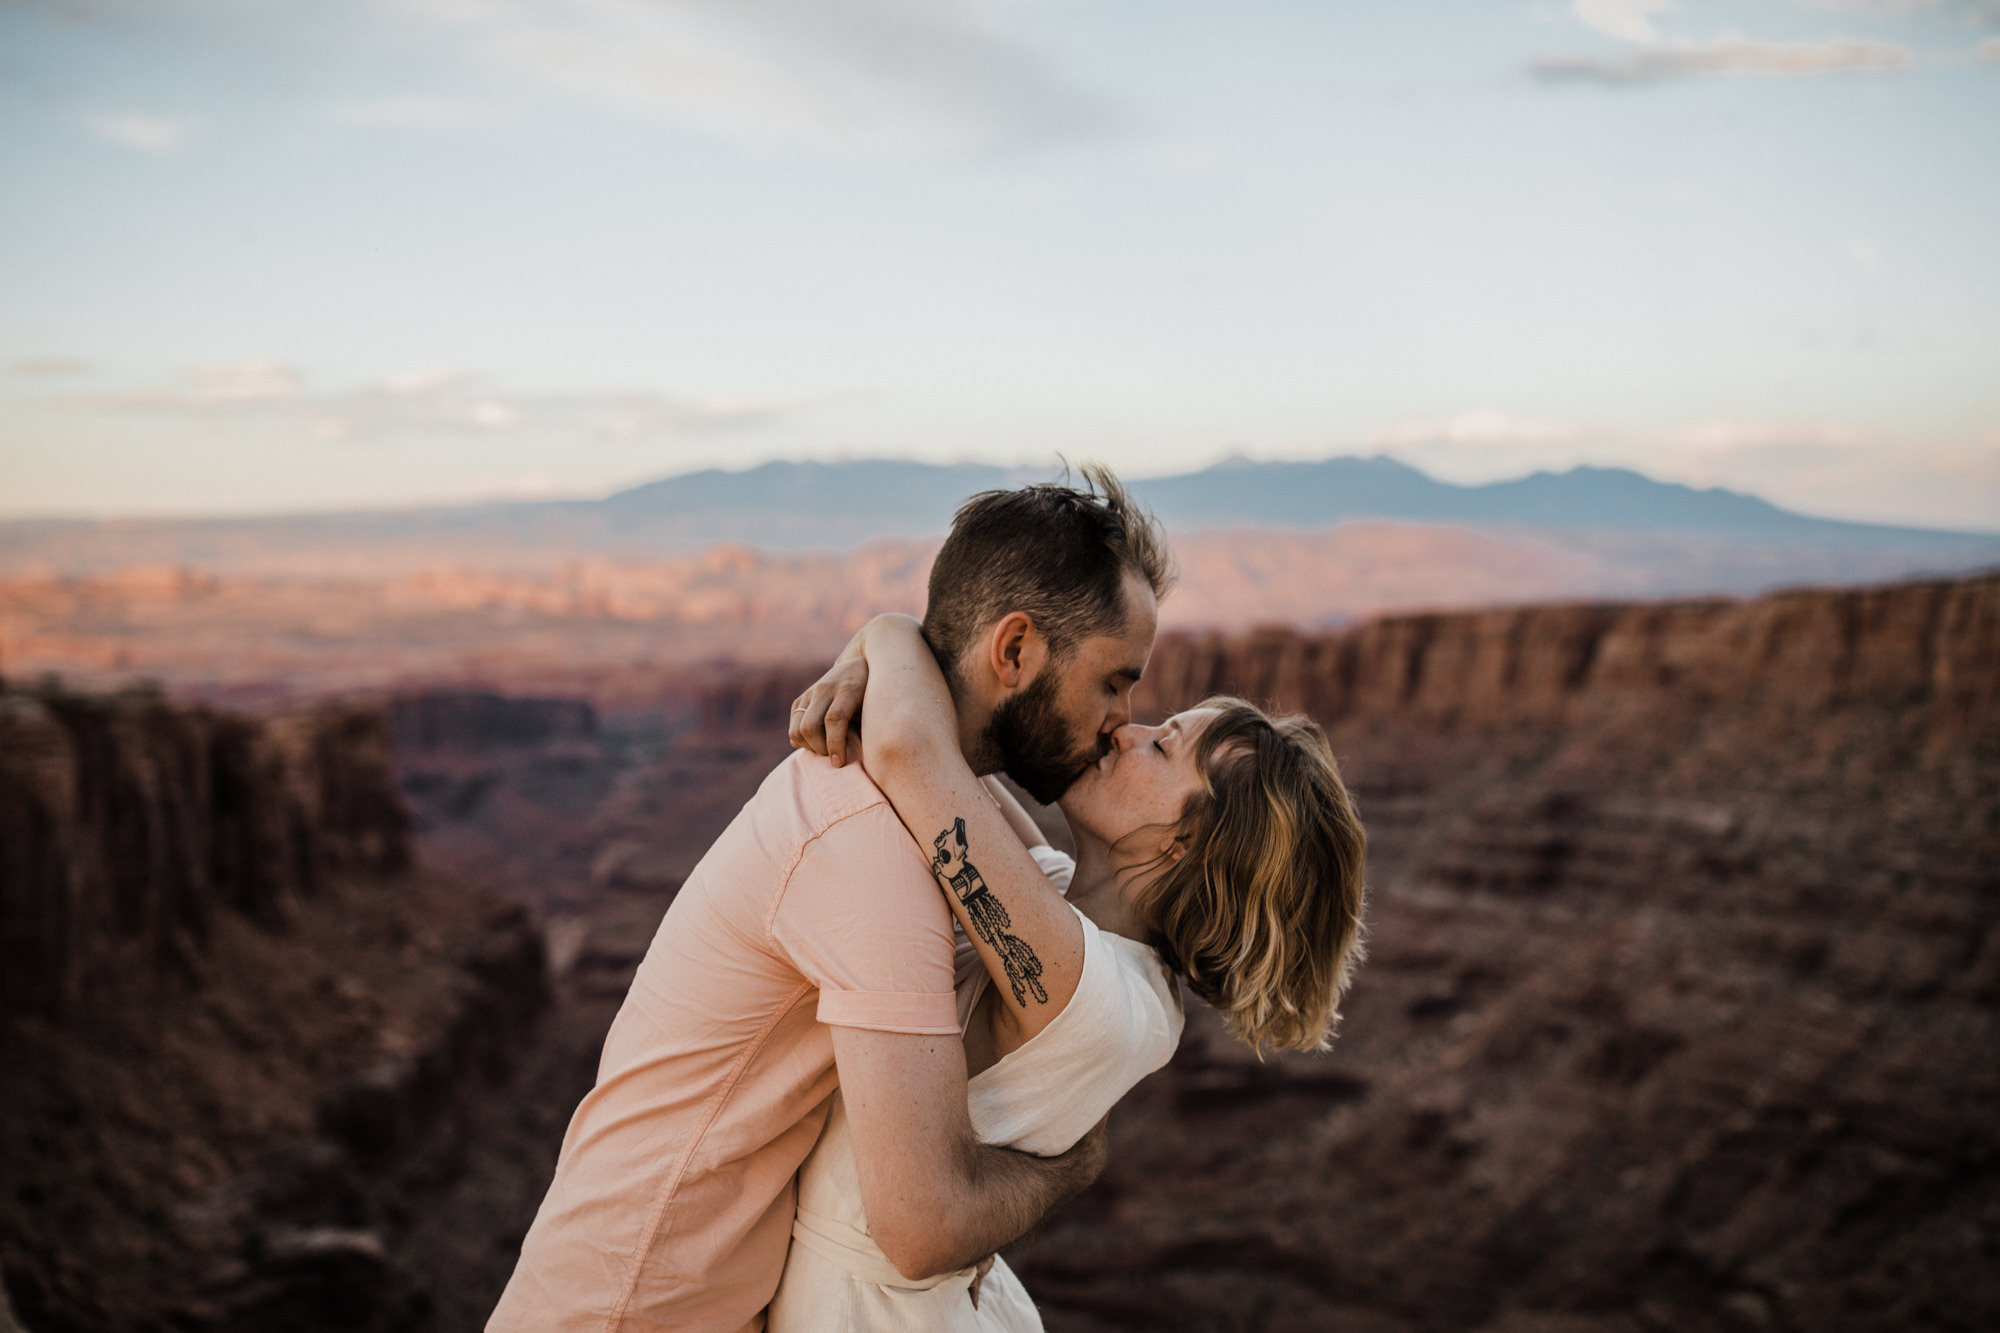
x=1131, y=734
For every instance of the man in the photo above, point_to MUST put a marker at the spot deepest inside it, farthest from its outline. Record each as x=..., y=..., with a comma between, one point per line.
x=811, y=948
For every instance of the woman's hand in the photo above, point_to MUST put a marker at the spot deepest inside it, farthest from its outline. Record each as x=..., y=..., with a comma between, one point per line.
x=823, y=716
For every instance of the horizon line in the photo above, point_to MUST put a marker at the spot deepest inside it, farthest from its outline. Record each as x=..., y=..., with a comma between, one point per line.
x=503, y=498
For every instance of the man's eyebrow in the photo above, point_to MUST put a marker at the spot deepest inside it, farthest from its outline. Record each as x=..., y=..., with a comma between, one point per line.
x=1129, y=673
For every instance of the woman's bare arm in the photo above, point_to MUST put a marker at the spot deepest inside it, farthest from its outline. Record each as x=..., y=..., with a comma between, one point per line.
x=826, y=717
x=1027, y=936
x=1017, y=815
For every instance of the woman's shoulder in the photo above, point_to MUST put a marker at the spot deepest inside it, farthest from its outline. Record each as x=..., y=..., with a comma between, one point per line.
x=1126, y=1000
x=1145, y=973
x=1123, y=1023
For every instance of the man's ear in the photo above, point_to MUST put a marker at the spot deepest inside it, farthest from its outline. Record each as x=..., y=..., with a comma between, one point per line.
x=1016, y=649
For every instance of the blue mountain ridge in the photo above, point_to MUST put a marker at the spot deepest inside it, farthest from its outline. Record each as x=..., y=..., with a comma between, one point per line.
x=906, y=498
x=798, y=506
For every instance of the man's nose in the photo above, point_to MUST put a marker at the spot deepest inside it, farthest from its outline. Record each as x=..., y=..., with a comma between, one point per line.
x=1120, y=714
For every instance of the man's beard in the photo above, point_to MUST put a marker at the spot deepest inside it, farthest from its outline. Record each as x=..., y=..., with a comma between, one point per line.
x=1027, y=733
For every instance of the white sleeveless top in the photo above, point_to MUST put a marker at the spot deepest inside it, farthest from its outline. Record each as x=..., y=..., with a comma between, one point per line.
x=1122, y=1023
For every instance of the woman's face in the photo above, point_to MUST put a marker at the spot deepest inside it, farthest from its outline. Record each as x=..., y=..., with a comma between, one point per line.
x=1142, y=782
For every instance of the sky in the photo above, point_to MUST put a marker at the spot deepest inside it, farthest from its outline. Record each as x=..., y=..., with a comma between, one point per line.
x=260, y=256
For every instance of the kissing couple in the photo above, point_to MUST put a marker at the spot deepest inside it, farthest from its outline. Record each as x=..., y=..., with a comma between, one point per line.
x=879, y=1030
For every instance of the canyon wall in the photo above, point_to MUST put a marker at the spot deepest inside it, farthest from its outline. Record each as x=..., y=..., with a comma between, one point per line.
x=241, y=1031
x=480, y=720
x=1684, y=981
x=618, y=632
x=1763, y=670
x=1683, y=989
x=1684, y=971
x=129, y=822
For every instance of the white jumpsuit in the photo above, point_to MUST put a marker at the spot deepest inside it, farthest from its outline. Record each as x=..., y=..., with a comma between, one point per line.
x=1123, y=1023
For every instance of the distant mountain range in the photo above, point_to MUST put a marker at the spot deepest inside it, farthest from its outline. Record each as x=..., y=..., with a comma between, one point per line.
x=913, y=499
x=836, y=506
x=782, y=562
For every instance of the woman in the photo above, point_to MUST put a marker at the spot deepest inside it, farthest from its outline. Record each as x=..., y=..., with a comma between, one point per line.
x=1219, y=847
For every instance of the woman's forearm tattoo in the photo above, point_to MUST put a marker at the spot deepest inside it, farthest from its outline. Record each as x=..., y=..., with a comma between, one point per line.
x=954, y=869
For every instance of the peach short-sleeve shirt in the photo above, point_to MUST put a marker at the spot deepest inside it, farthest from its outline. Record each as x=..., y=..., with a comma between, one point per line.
x=673, y=1197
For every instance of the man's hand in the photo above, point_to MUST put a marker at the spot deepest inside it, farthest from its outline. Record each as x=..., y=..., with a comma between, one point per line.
x=825, y=715
x=937, y=1199
x=979, y=1272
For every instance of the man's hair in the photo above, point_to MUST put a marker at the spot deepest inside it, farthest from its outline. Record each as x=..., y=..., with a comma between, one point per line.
x=1262, y=914
x=1056, y=552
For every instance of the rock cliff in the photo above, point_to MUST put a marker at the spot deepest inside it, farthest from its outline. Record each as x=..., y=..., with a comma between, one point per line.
x=480, y=720
x=131, y=822
x=241, y=1031
x=1683, y=990
x=1742, y=673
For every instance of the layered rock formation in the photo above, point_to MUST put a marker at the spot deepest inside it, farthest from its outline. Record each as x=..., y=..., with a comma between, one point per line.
x=132, y=822
x=1683, y=989
x=606, y=630
x=240, y=1032
x=480, y=720
x=1683, y=995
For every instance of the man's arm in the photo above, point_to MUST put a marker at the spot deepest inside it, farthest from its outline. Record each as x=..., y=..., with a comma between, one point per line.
x=937, y=1199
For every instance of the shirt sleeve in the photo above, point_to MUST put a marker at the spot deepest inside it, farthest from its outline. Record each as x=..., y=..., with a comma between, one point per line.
x=862, y=919
x=1122, y=1023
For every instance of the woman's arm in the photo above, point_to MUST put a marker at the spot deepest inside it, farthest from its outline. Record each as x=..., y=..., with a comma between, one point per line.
x=1018, y=818
x=823, y=715
x=828, y=715
x=1027, y=936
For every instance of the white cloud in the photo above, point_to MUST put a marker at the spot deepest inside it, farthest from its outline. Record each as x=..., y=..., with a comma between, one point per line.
x=1891, y=7
x=1481, y=427
x=230, y=386
x=421, y=382
x=1850, y=473
x=1624, y=19
x=142, y=131
x=1488, y=444
x=1491, y=445
x=1812, y=464
x=1729, y=435
x=1729, y=56
x=247, y=382
x=1990, y=49
x=494, y=414
x=423, y=403
x=48, y=366
x=416, y=112
x=898, y=75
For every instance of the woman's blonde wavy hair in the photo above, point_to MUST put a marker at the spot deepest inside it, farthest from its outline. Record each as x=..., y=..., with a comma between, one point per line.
x=1262, y=914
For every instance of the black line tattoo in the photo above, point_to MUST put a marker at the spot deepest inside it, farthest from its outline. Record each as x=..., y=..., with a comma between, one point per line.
x=953, y=867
